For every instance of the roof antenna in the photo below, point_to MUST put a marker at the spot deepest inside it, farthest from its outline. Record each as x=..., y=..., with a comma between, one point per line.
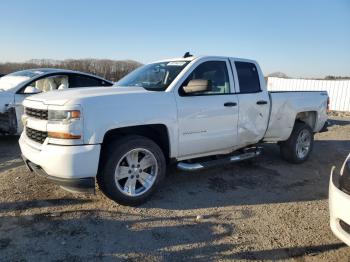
x=187, y=54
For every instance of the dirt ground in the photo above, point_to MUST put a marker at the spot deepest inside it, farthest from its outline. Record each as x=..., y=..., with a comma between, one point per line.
x=268, y=210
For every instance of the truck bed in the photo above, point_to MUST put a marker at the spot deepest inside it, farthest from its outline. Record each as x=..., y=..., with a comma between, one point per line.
x=286, y=105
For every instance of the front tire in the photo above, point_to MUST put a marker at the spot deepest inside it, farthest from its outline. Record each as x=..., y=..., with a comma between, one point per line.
x=299, y=145
x=132, y=170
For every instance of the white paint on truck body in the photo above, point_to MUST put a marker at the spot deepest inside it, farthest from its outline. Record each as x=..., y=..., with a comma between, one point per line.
x=196, y=125
x=284, y=111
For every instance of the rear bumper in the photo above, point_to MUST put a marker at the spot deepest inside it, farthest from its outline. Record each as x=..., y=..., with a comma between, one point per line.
x=82, y=185
x=325, y=127
x=339, y=207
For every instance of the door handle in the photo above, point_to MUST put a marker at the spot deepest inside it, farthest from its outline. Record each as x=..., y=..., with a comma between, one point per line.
x=228, y=104
x=261, y=102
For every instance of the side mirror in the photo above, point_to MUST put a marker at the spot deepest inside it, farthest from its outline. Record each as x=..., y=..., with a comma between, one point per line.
x=31, y=90
x=197, y=85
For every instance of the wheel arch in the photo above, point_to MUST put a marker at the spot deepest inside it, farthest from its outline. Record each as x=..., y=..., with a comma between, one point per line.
x=307, y=117
x=158, y=133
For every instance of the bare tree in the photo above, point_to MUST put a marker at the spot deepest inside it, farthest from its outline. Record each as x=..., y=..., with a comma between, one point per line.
x=109, y=69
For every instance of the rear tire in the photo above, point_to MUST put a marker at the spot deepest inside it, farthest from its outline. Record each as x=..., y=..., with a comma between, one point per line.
x=132, y=169
x=299, y=145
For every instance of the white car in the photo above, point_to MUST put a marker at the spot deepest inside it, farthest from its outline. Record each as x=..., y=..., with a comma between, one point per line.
x=183, y=110
x=15, y=87
x=339, y=202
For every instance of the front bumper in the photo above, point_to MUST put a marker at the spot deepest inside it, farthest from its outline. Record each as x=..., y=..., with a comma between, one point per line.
x=339, y=208
x=68, y=166
x=81, y=185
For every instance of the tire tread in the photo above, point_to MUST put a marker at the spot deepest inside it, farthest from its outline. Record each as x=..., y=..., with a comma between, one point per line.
x=117, y=148
x=287, y=148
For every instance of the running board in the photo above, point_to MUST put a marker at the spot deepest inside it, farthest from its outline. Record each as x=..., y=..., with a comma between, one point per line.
x=211, y=163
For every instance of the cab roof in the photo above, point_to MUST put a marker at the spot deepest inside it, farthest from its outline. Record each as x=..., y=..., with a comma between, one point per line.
x=191, y=58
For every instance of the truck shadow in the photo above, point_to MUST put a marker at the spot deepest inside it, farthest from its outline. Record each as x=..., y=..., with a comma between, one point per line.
x=40, y=203
x=85, y=235
x=269, y=179
x=95, y=234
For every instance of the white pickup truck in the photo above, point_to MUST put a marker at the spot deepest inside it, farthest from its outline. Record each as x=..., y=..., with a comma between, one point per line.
x=196, y=111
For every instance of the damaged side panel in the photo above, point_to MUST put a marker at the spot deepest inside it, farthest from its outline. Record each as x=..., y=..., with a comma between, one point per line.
x=8, y=121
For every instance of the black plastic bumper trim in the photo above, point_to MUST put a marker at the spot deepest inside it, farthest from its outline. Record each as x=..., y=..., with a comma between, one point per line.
x=325, y=127
x=75, y=184
x=345, y=226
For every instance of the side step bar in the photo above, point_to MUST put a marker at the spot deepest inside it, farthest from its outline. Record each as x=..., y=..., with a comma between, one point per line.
x=211, y=163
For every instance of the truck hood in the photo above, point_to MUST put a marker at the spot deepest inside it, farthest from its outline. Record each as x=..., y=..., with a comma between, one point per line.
x=62, y=97
x=6, y=98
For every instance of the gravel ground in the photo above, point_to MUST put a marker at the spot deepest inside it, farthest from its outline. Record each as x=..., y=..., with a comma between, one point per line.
x=266, y=210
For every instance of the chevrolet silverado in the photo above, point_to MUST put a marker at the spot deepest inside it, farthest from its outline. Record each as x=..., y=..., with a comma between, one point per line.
x=198, y=112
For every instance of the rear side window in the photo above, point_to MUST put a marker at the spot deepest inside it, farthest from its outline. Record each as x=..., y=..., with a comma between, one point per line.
x=83, y=81
x=248, y=77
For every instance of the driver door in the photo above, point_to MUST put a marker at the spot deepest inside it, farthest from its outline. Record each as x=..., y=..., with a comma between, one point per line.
x=207, y=120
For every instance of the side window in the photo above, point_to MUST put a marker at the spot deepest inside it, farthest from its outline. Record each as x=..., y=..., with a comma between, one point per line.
x=83, y=81
x=248, y=77
x=216, y=74
x=48, y=84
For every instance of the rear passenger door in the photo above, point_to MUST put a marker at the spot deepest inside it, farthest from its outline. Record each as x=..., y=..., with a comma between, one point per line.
x=254, y=102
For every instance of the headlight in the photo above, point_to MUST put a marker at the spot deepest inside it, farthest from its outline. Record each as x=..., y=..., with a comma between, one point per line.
x=63, y=115
x=64, y=124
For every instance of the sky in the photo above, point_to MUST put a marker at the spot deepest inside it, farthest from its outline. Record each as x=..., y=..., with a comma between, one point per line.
x=301, y=38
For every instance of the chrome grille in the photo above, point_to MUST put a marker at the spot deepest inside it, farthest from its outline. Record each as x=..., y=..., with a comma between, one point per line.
x=36, y=135
x=36, y=113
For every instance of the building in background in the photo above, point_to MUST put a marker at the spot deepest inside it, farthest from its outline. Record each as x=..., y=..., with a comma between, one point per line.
x=338, y=90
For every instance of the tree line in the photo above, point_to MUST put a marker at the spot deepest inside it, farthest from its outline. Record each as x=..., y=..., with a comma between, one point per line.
x=329, y=77
x=109, y=69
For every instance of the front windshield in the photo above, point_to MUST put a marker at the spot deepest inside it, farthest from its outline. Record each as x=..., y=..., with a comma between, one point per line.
x=154, y=77
x=10, y=81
